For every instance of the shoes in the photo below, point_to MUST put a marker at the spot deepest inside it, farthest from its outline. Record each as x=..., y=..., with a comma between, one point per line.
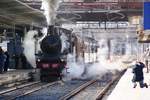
x=134, y=85
x=145, y=85
x=141, y=85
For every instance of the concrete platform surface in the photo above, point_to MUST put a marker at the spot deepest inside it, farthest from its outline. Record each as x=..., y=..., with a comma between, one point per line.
x=13, y=76
x=125, y=91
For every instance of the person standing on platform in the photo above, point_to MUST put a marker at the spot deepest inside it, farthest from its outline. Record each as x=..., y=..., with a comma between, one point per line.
x=146, y=57
x=138, y=75
x=2, y=60
x=16, y=61
x=23, y=61
x=6, y=65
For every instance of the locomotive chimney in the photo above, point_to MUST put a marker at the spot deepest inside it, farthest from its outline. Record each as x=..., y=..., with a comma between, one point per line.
x=50, y=30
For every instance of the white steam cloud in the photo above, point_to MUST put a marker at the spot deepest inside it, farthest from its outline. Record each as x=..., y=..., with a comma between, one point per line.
x=64, y=42
x=104, y=66
x=75, y=69
x=50, y=7
x=29, y=47
x=97, y=69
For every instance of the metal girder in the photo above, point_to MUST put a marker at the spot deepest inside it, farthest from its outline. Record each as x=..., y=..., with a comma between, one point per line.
x=94, y=11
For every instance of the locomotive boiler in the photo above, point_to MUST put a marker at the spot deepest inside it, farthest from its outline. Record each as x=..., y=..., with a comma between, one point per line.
x=49, y=59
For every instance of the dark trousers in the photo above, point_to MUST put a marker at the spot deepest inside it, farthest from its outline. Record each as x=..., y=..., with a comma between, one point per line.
x=1, y=69
x=6, y=68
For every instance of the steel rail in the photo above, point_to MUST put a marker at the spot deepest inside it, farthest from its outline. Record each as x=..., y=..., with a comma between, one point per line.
x=101, y=93
x=18, y=87
x=77, y=90
x=32, y=90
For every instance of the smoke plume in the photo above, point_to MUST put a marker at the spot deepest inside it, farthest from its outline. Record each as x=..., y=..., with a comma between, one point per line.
x=50, y=7
x=29, y=47
x=96, y=70
x=104, y=65
x=75, y=69
x=64, y=42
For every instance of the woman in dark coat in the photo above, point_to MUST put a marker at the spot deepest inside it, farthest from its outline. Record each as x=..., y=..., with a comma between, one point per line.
x=138, y=75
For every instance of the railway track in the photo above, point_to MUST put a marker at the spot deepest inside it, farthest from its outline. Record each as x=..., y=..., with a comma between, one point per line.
x=73, y=90
x=22, y=90
x=77, y=90
x=91, y=90
x=103, y=94
x=16, y=87
x=54, y=92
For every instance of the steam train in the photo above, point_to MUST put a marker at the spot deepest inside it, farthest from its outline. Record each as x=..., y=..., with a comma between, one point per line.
x=50, y=61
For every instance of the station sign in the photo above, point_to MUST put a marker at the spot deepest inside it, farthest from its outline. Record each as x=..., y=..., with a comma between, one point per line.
x=146, y=15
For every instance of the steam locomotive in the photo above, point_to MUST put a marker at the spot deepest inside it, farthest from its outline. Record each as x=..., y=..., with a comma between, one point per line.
x=50, y=60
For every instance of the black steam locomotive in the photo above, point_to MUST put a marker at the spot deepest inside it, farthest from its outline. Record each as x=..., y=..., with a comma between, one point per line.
x=50, y=59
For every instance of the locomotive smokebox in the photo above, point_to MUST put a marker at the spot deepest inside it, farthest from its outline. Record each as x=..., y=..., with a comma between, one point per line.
x=50, y=30
x=51, y=44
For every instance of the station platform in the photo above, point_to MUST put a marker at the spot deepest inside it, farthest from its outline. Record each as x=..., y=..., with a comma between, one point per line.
x=13, y=76
x=124, y=89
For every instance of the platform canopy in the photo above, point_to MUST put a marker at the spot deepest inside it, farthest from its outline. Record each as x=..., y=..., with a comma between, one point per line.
x=14, y=12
